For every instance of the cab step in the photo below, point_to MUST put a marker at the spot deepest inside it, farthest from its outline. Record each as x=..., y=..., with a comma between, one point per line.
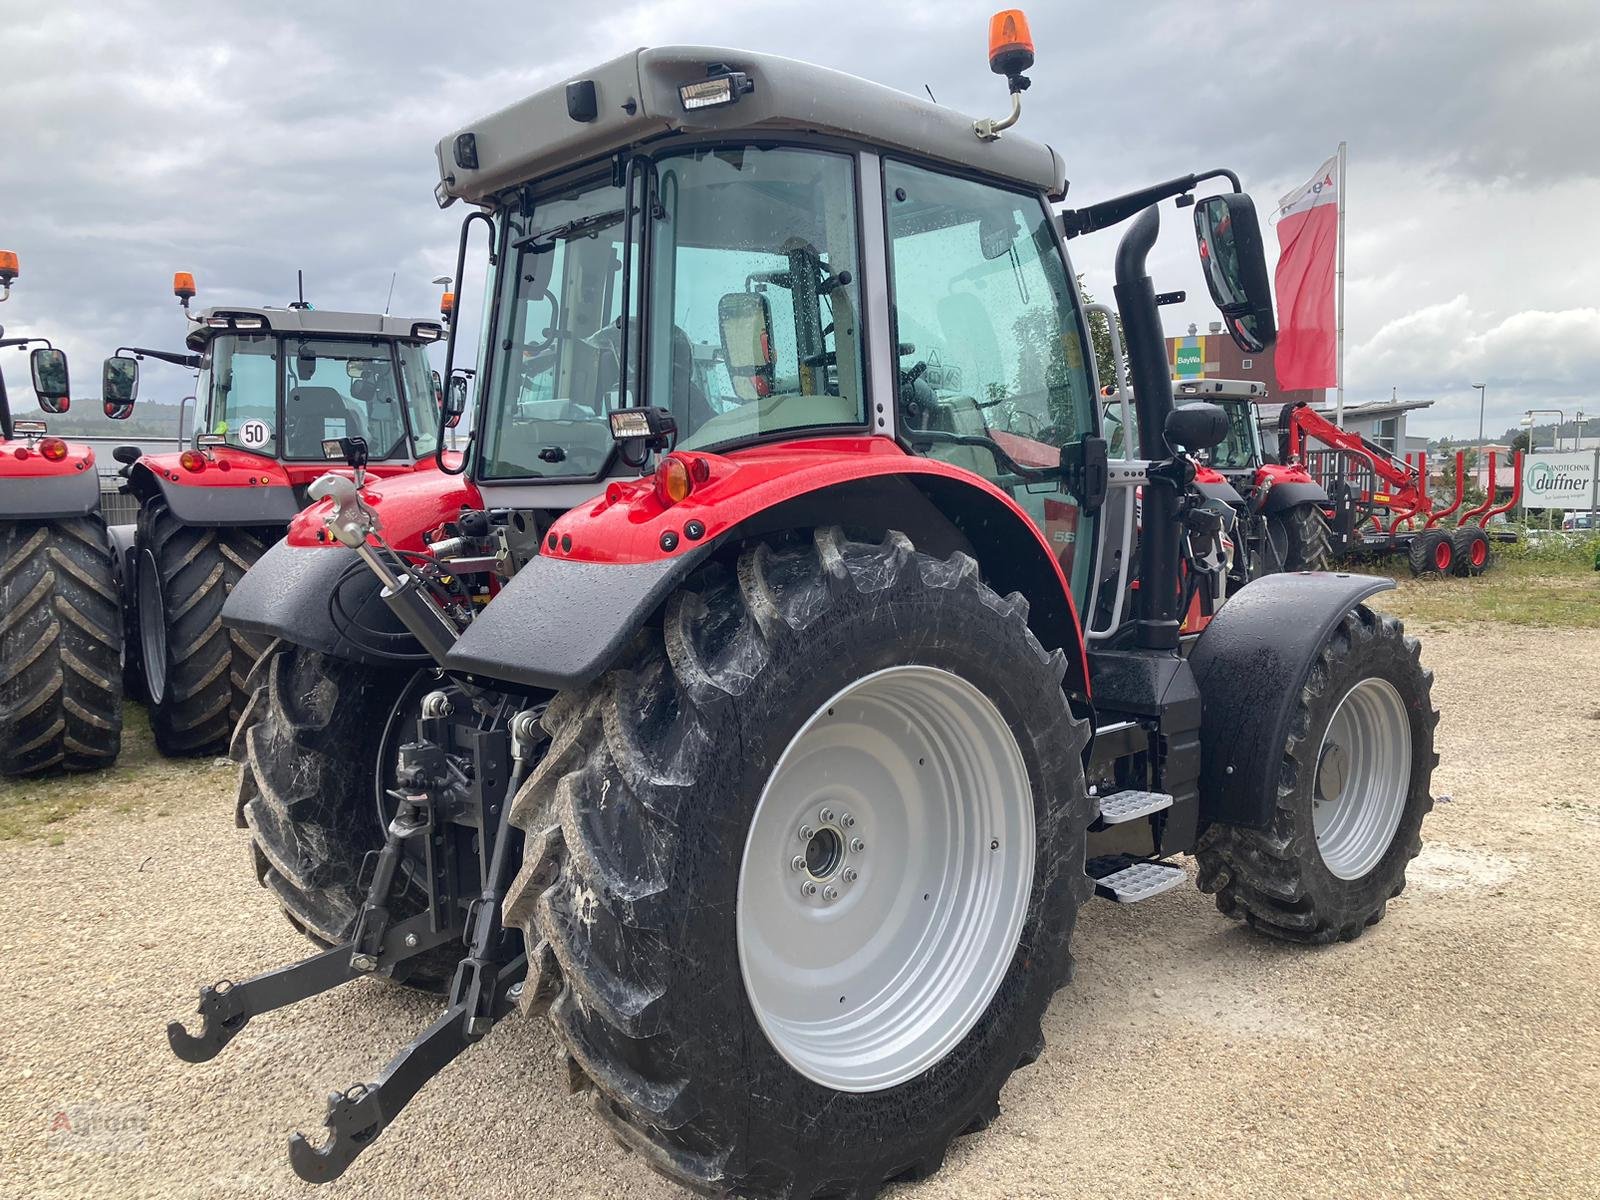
x=1129, y=806
x=1127, y=879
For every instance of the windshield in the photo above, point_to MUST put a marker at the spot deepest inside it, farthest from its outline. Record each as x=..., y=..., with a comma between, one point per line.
x=244, y=398
x=754, y=302
x=555, y=362
x=1238, y=450
x=332, y=387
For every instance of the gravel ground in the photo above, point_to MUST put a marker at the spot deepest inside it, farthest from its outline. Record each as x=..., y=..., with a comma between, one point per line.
x=1450, y=1052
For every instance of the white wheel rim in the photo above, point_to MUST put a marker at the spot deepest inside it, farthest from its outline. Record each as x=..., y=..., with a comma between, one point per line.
x=872, y=945
x=1362, y=776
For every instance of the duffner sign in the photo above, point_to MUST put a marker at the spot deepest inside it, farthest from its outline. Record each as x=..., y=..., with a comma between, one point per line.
x=1559, y=480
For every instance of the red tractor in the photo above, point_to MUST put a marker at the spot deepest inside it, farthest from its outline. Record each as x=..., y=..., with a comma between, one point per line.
x=739, y=721
x=60, y=635
x=1282, y=511
x=280, y=392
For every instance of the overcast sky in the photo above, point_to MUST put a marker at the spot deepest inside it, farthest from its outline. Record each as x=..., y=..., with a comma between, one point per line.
x=242, y=142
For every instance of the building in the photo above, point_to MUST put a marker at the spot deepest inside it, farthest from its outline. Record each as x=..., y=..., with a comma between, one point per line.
x=1214, y=355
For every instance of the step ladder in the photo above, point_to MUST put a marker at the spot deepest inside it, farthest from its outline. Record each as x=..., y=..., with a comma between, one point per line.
x=1128, y=879
x=1120, y=807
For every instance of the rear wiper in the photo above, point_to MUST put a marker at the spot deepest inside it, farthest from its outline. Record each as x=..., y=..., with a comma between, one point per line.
x=578, y=227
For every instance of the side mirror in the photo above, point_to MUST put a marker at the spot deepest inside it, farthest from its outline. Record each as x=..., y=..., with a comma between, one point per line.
x=127, y=455
x=1196, y=427
x=119, y=386
x=455, y=401
x=745, y=322
x=50, y=379
x=1235, y=267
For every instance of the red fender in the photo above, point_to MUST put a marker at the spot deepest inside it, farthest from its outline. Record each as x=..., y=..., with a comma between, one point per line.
x=632, y=522
x=409, y=503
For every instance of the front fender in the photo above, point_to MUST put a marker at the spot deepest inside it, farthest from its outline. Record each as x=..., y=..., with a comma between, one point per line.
x=1250, y=662
x=1283, y=496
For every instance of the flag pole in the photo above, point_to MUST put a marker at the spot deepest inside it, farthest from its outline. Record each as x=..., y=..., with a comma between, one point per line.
x=1338, y=408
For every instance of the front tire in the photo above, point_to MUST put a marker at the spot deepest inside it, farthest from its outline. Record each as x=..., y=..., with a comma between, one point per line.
x=60, y=648
x=658, y=835
x=1302, y=532
x=1470, y=546
x=1431, y=552
x=1352, y=792
x=195, y=668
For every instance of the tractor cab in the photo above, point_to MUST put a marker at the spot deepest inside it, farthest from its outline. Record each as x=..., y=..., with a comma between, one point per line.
x=1242, y=452
x=285, y=390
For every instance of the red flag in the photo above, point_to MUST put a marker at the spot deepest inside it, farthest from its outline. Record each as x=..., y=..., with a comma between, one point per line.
x=1308, y=242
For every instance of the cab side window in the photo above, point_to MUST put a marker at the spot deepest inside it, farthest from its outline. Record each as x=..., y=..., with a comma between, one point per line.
x=993, y=365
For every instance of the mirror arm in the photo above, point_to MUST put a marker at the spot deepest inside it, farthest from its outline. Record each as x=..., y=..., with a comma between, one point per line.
x=450, y=342
x=26, y=341
x=1075, y=221
x=192, y=361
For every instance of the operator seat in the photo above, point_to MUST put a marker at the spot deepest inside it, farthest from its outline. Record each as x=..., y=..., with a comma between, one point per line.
x=306, y=413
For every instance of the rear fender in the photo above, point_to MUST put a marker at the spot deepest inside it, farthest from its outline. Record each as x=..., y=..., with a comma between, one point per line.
x=35, y=489
x=1250, y=662
x=565, y=617
x=250, y=491
x=309, y=590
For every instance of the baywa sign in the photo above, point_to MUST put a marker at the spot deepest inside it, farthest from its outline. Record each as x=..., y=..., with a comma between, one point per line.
x=1559, y=480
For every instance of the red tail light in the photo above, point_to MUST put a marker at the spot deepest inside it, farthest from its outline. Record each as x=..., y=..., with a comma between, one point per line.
x=53, y=449
x=192, y=460
x=22, y=453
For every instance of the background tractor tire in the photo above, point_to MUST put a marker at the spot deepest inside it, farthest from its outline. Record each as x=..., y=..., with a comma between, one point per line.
x=1303, y=534
x=194, y=667
x=1470, y=547
x=1301, y=883
x=308, y=748
x=648, y=803
x=60, y=647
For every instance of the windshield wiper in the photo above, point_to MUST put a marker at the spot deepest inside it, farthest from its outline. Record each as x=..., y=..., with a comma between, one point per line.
x=578, y=227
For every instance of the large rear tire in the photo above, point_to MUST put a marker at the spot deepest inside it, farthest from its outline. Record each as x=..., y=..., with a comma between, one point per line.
x=732, y=988
x=1351, y=795
x=195, y=667
x=1302, y=533
x=1470, y=547
x=60, y=647
x=1431, y=552
x=309, y=752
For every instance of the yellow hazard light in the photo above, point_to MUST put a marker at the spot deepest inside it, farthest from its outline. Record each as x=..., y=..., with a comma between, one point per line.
x=1010, y=43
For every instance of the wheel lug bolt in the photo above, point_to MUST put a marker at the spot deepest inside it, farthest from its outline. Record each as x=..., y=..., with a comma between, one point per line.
x=808, y=888
x=826, y=815
x=805, y=833
x=847, y=821
x=830, y=893
x=857, y=845
x=850, y=875
x=797, y=863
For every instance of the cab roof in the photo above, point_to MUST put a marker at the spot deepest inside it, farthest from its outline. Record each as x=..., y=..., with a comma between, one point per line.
x=636, y=100
x=316, y=321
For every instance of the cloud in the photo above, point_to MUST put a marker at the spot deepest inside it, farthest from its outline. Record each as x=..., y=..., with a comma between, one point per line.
x=140, y=141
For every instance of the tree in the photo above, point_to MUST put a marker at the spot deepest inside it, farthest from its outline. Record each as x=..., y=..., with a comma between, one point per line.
x=1105, y=364
x=1520, y=442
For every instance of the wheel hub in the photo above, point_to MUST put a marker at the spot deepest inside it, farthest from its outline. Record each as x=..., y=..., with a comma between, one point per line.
x=885, y=878
x=1363, y=778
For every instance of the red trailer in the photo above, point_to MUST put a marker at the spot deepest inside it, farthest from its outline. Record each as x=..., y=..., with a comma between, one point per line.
x=1380, y=504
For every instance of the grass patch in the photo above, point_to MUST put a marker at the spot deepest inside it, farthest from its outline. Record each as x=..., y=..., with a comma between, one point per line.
x=1530, y=590
x=141, y=780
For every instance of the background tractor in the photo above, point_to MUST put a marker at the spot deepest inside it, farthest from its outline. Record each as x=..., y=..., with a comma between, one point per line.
x=1282, y=510
x=280, y=392
x=60, y=634
x=740, y=722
